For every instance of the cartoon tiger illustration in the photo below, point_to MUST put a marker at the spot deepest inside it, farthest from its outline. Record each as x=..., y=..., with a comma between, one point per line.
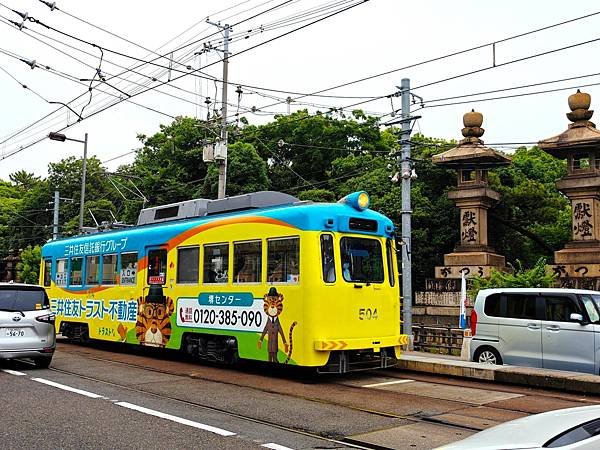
x=273, y=306
x=153, y=327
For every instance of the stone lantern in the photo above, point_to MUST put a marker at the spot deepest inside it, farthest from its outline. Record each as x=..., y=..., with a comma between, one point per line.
x=473, y=196
x=578, y=264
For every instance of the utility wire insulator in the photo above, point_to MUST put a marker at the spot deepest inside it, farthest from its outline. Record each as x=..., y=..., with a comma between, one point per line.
x=52, y=5
x=31, y=64
x=24, y=15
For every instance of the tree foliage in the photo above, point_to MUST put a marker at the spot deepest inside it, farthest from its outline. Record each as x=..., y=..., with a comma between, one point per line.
x=535, y=277
x=29, y=267
x=319, y=157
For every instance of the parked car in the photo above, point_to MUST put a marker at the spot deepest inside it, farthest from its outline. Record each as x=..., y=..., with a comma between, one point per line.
x=548, y=328
x=567, y=429
x=26, y=323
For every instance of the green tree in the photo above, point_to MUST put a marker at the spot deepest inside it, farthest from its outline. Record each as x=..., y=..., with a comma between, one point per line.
x=29, y=267
x=31, y=221
x=246, y=172
x=533, y=218
x=169, y=166
x=318, y=195
x=65, y=176
x=300, y=147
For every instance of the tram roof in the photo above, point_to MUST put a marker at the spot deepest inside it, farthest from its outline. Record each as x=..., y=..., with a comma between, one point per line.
x=301, y=216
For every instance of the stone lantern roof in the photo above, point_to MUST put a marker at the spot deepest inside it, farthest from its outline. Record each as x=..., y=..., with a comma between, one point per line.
x=581, y=134
x=470, y=151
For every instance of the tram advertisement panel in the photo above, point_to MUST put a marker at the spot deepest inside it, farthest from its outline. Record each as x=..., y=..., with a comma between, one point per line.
x=224, y=311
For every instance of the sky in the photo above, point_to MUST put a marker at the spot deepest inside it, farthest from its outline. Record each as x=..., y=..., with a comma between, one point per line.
x=364, y=41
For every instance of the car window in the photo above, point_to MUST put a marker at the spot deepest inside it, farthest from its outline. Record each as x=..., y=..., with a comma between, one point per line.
x=23, y=299
x=520, y=306
x=492, y=305
x=577, y=434
x=590, y=307
x=559, y=309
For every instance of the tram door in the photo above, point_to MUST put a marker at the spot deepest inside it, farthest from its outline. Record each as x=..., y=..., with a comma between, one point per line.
x=157, y=267
x=153, y=327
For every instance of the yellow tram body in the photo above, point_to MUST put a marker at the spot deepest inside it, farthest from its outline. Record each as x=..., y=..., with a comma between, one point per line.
x=261, y=277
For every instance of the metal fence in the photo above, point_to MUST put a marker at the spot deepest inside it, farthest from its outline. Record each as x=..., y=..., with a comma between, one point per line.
x=437, y=339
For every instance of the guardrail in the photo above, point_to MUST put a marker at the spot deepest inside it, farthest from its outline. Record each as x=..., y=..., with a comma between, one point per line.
x=437, y=339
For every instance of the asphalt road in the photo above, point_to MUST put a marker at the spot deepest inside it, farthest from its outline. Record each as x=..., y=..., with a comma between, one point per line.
x=98, y=396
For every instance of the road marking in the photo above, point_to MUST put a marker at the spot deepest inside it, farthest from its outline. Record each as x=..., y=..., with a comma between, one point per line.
x=276, y=447
x=67, y=388
x=14, y=372
x=187, y=422
x=387, y=383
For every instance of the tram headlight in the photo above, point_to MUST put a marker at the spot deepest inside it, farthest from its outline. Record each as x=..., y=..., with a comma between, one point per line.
x=358, y=200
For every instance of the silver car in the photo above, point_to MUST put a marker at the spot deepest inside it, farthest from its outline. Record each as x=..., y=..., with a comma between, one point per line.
x=548, y=328
x=26, y=323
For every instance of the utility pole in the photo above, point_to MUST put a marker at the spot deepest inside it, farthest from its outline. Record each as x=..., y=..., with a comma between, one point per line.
x=83, y=174
x=221, y=148
x=55, y=222
x=406, y=175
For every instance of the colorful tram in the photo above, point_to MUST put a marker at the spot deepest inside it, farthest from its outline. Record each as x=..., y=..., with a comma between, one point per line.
x=259, y=276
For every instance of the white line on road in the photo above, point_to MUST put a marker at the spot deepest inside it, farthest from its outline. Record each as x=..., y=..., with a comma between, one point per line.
x=67, y=388
x=14, y=372
x=276, y=447
x=387, y=383
x=187, y=422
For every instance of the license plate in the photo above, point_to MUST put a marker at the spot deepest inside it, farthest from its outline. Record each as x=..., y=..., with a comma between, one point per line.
x=11, y=332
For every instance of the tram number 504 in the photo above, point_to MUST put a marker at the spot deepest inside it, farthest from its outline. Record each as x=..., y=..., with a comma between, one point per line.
x=367, y=314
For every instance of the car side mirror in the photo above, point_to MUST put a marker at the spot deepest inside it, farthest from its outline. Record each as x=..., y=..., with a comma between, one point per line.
x=577, y=318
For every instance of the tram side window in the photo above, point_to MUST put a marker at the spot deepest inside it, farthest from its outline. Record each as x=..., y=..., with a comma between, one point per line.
x=283, y=260
x=127, y=276
x=391, y=254
x=216, y=263
x=247, y=263
x=327, y=258
x=92, y=266
x=75, y=272
x=109, y=269
x=157, y=266
x=61, y=272
x=361, y=260
x=47, y=272
x=188, y=260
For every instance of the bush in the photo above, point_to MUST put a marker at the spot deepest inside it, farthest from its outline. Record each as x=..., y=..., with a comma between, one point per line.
x=536, y=277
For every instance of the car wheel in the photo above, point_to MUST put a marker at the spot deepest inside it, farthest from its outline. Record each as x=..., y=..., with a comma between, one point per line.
x=488, y=355
x=42, y=362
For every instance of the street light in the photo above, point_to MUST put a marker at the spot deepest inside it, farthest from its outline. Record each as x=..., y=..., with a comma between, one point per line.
x=62, y=138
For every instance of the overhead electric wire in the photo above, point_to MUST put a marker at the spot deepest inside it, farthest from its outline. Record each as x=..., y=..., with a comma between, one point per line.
x=181, y=76
x=449, y=55
x=513, y=61
x=523, y=86
x=23, y=85
x=524, y=94
x=110, y=62
x=481, y=46
x=238, y=22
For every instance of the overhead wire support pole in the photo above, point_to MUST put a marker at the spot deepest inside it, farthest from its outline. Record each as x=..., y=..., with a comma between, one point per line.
x=406, y=175
x=221, y=154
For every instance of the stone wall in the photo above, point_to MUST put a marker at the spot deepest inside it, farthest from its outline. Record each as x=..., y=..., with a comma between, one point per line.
x=438, y=309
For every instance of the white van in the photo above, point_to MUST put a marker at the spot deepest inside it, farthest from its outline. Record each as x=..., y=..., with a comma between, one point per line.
x=550, y=328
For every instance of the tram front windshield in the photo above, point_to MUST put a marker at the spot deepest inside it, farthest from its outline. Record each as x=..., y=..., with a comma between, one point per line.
x=362, y=260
